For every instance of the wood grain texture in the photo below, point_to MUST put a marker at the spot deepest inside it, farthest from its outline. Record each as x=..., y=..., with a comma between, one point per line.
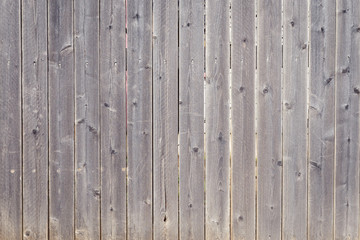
x=113, y=119
x=191, y=119
x=269, y=120
x=10, y=121
x=217, y=138
x=61, y=119
x=321, y=120
x=295, y=54
x=96, y=94
x=347, y=87
x=139, y=119
x=165, y=115
x=243, y=60
x=87, y=128
x=35, y=120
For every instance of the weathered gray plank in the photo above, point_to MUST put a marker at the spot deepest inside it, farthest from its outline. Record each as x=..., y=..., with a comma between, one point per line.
x=269, y=120
x=87, y=153
x=347, y=87
x=10, y=121
x=191, y=119
x=61, y=119
x=113, y=119
x=321, y=120
x=165, y=119
x=295, y=111
x=243, y=60
x=35, y=120
x=139, y=119
x=217, y=138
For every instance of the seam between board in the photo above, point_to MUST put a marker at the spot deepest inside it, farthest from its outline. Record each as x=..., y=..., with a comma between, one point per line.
x=99, y=123
x=335, y=117
x=74, y=118
x=48, y=117
x=21, y=114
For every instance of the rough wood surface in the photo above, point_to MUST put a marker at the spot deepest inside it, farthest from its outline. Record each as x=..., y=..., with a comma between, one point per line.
x=243, y=60
x=113, y=119
x=217, y=111
x=269, y=150
x=35, y=120
x=191, y=119
x=61, y=119
x=87, y=128
x=347, y=89
x=111, y=130
x=321, y=120
x=165, y=119
x=10, y=121
x=139, y=119
x=295, y=59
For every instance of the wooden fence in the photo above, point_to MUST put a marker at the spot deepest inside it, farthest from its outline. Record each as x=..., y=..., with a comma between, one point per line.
x=104, y=105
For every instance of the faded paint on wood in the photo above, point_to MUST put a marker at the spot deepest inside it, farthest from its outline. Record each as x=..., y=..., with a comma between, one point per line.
x=269, y=120
x=35, y=120
x=139, y=119
x=87, y=128
x=10, y=121
x=191, y=119
x=295, y=54
x=165, y=119
x=321, y=120
x=61, y=119
x=243, y=60
x=347, y=87
x=217, y=111
x=113, y=119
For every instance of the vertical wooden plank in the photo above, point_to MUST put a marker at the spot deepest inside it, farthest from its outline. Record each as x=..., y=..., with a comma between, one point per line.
x=61, y=119
x=139, y=119
x=269, y=120
x=87, y=158
x=217, y=120
x=243, y=60
x=321, y=120
x=347, y=87
x=10, y=121
x=35, y=123
x=113, y=119
x=165, y=115
x=295, y=119
x=191, y=119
